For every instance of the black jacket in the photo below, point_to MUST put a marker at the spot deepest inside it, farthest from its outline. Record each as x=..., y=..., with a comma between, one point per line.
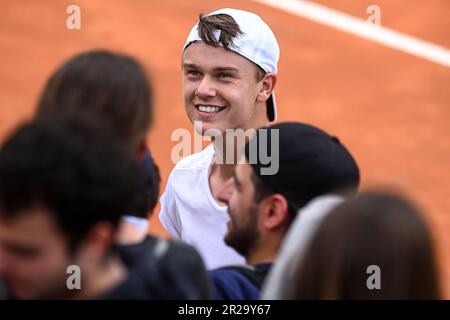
x=162, y=269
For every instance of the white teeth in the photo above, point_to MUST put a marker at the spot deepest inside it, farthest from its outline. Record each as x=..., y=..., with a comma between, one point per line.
x=209, y=109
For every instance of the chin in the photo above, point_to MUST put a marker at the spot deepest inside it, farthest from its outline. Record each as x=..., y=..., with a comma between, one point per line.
x=209, y=130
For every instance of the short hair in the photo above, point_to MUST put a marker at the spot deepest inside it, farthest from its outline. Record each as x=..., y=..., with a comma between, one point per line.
x=372, y=229
x=229, y=30
x=225, y=23
x=66, y=164
x=111, y=85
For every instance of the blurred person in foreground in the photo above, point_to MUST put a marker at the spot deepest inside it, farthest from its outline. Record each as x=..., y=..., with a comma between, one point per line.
x=376, y=234
x=115, y=89
x=63, y=189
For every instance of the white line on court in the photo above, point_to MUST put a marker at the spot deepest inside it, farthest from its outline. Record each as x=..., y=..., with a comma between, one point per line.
x=359, y=27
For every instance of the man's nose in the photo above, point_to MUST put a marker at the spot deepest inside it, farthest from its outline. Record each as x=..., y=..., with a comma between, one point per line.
x=206, y=88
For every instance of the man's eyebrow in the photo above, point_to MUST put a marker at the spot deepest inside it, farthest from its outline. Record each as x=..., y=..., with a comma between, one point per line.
x=226, y=69
x=218, y=69
x=189, y=65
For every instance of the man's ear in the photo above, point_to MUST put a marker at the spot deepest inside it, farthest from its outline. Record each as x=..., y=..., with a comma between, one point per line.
x=276, y=211
x=268, y=84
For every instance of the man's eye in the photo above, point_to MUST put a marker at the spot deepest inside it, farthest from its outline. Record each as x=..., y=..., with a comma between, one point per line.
x=224, y=75
x=192, y=73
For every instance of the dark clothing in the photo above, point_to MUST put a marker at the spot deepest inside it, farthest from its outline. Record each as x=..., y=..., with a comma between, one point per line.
x=239, y=282
x=3, y=292
x=162, y=269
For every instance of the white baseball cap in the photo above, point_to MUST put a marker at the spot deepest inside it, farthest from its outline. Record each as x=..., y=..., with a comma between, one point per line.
x=257, y=43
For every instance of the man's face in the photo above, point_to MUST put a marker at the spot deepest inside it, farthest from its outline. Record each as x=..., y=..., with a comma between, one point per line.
x=238, y=193
x=33, y=255
x=220, y=88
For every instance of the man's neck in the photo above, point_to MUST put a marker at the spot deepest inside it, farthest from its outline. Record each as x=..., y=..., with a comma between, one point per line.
x=264, y=252
x=227, y=153
x=259, y=258
x=220, y=170
x=218, y=175
x=102, y=278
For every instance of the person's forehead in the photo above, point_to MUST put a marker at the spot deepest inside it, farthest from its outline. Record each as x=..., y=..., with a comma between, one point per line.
x=204, y=55
x=34, y=226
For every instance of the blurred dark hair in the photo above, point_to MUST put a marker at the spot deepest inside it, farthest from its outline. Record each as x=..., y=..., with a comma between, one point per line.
x=101, y=83
x=148, y=196
x=372, y=229
x=70, y=166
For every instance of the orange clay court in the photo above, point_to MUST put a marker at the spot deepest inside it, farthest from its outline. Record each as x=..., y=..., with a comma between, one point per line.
x=390, y=108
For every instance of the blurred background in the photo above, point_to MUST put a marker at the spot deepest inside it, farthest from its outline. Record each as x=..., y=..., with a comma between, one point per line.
x=390, y=108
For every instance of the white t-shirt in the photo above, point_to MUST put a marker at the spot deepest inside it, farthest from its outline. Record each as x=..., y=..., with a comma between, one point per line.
x=190, y=213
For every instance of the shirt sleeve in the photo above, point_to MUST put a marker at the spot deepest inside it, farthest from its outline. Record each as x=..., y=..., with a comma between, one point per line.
x=168, y=215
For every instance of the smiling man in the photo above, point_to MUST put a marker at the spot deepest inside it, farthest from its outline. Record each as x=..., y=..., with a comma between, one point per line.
x=229, y=64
